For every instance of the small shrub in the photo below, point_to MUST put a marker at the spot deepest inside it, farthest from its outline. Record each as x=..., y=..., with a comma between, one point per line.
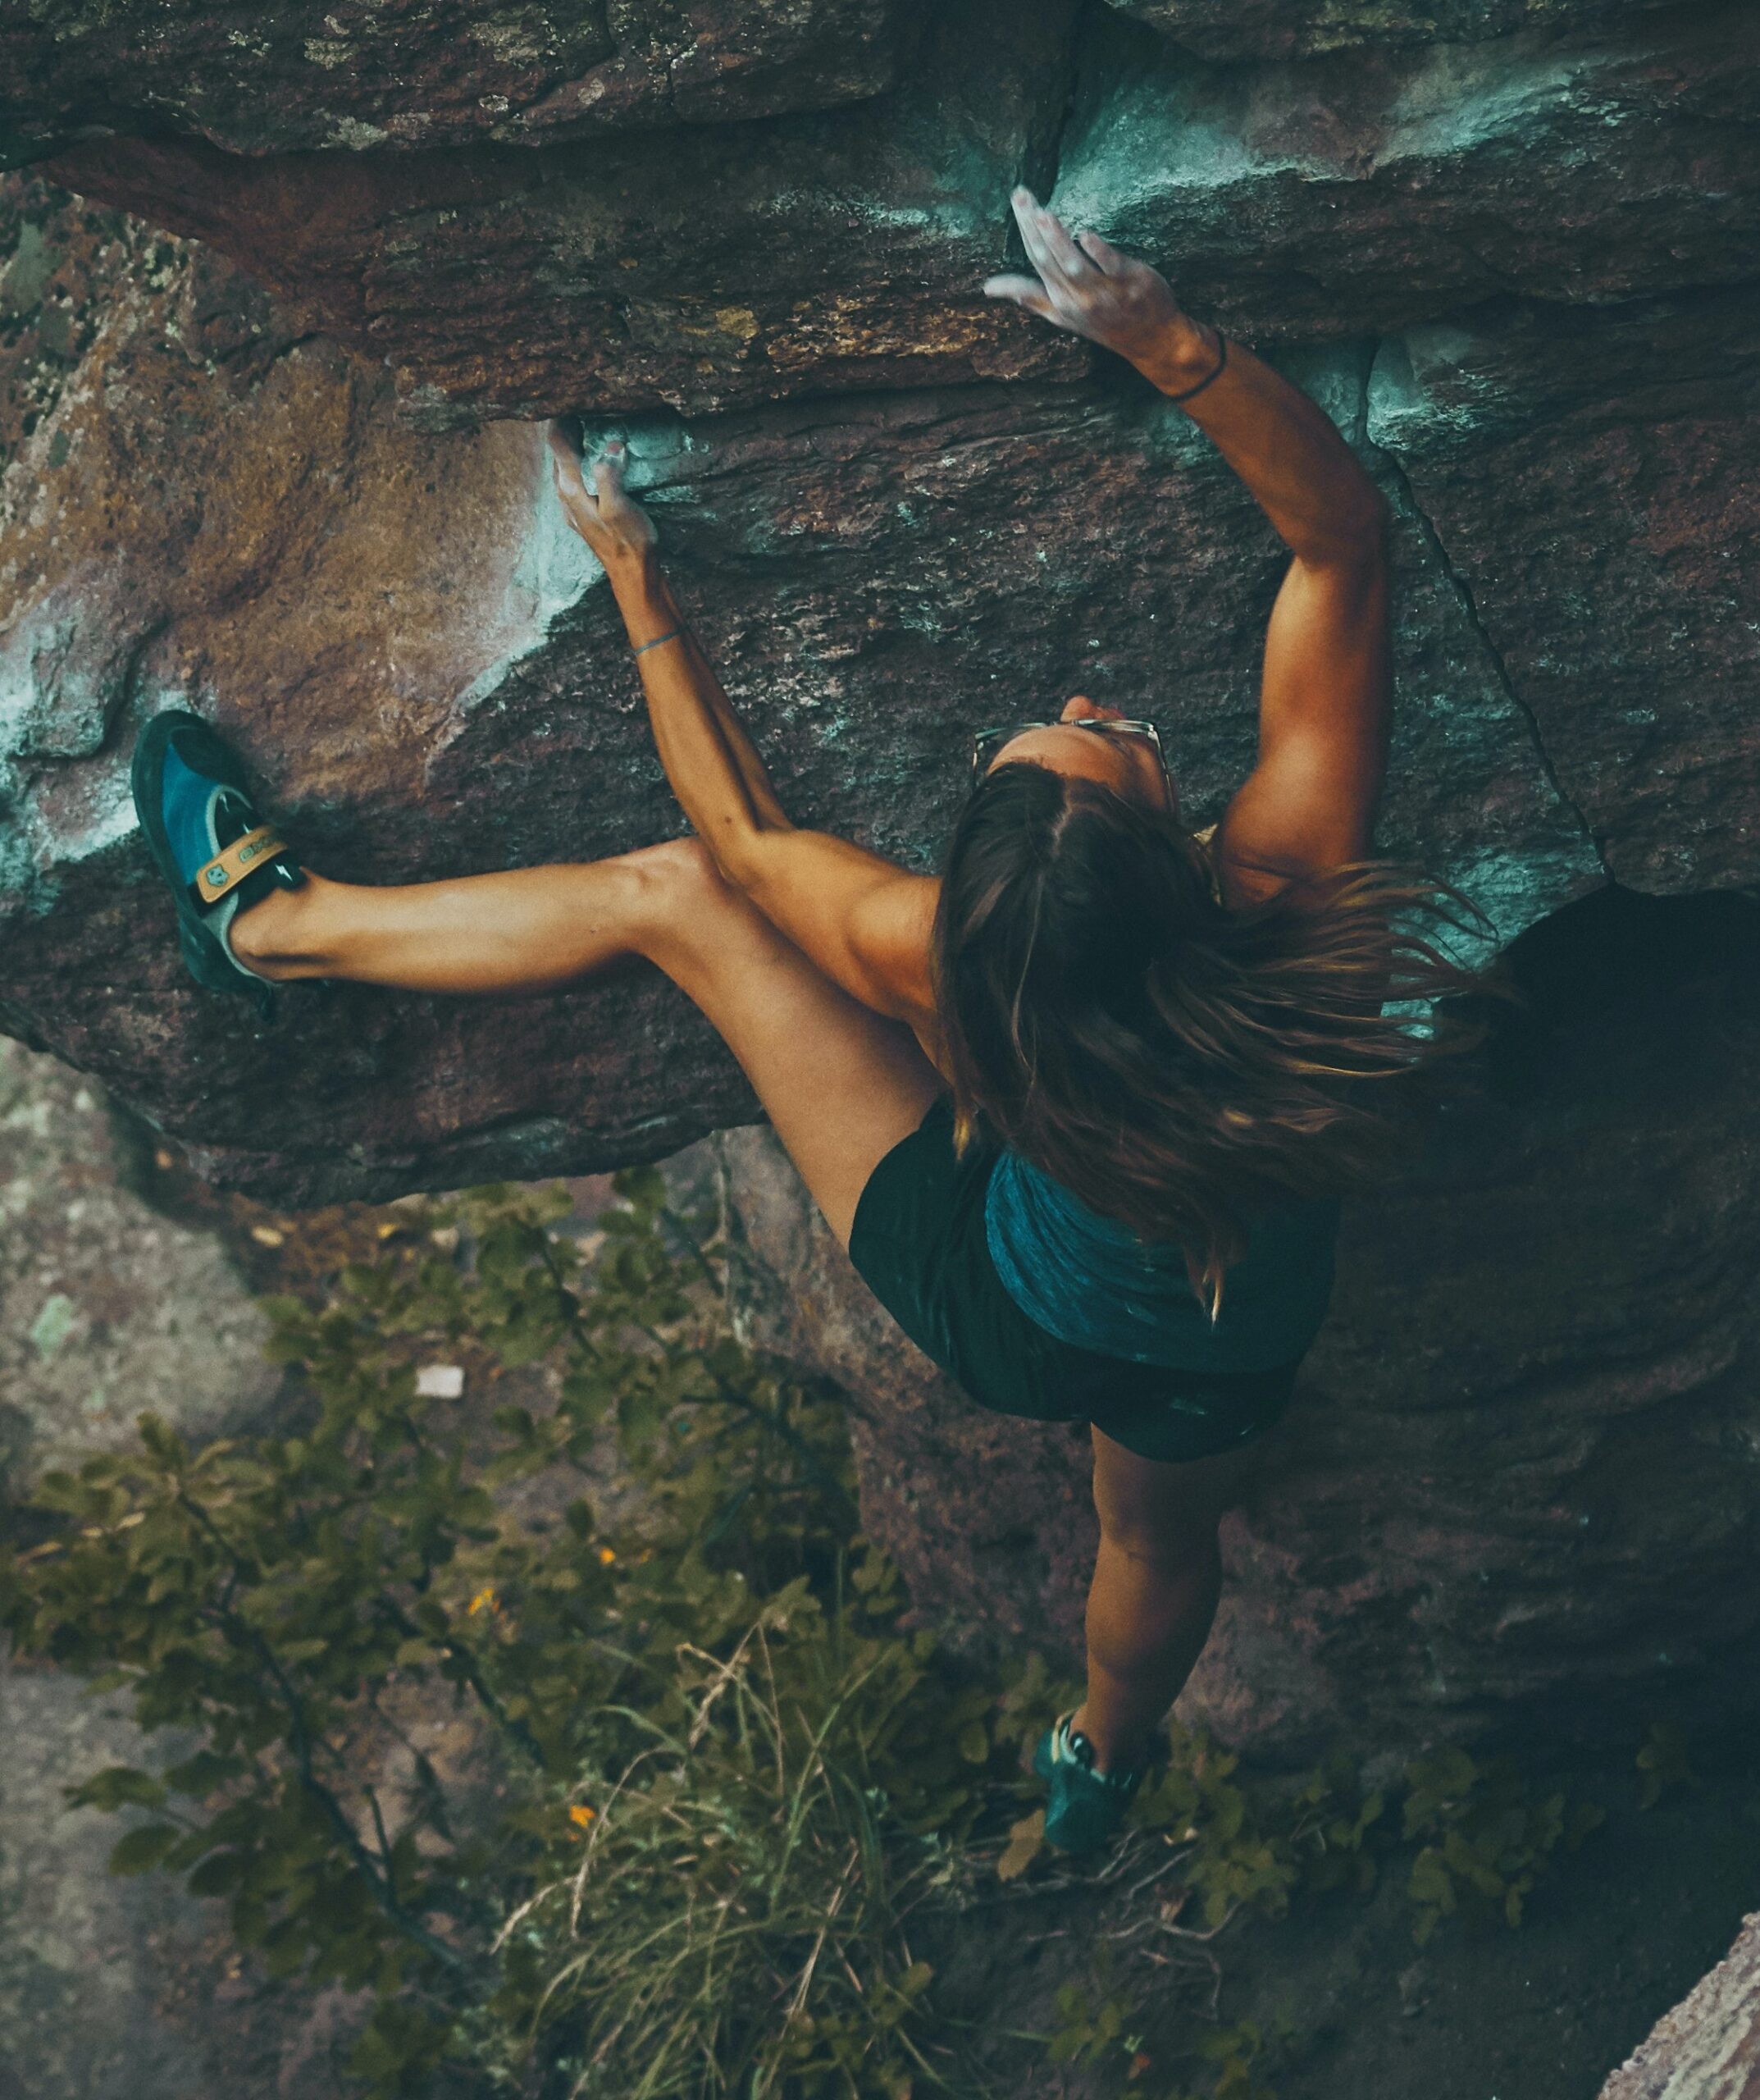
x=715, y=1780
x=706, y=1746
x=1486, y=1839
x=1663, y=1762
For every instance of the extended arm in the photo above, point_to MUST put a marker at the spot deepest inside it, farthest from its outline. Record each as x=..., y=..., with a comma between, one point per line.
x=864, y=921
x=1310, y=801
x=1324, y=702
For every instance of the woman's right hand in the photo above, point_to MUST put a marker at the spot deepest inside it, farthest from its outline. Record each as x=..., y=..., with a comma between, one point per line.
x=614, y=525
x=1086, y=285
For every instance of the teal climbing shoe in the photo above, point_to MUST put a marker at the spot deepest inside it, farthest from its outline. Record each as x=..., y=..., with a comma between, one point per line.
x=1086, y=1806
x=207, y=839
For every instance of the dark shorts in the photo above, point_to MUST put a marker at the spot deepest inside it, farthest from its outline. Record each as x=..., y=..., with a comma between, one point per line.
x=918, y=1242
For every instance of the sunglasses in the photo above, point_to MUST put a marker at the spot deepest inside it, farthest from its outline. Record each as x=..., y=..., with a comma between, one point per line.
x=986, y=743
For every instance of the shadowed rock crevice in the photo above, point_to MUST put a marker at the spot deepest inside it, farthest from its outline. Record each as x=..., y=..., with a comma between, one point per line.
x=1433, y=540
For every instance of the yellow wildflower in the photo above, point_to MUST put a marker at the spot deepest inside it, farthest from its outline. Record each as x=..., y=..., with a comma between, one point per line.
x=484, y=1600
x=606, y=1556
x=581, y=1816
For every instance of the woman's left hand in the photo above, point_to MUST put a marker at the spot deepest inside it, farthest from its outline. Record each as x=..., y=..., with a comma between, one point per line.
x=1089, y=287
x=614, y=525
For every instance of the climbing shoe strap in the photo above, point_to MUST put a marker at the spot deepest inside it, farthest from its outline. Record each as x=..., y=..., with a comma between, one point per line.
x=230, y=867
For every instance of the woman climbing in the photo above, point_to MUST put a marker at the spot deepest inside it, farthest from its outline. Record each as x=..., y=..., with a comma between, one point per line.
x=1081, y=1109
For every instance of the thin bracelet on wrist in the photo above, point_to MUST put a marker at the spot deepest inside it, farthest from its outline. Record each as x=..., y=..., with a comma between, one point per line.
x=1215, y=372
x=659, y=638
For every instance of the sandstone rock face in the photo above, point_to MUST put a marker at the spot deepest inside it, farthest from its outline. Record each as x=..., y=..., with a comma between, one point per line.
x=1709, y=2047
x=1376, y=189
x=693, y=268
x=429, y=675
x=107, y=1308
x=1606, y=638
x=1287, y=29
x=268, y=453
x=434, y=75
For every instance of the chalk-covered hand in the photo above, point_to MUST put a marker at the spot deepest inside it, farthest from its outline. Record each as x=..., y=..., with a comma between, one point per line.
x=614, y=525
x=1087, y=285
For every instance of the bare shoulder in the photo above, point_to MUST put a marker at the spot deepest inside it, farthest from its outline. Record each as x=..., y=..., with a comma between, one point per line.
x=1257, y=852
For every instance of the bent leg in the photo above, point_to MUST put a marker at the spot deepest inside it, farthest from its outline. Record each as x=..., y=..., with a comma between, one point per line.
x=841, y=1085
x=1157, y=1578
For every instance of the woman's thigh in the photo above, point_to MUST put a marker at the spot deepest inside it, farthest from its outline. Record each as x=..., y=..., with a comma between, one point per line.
x=841, y=1084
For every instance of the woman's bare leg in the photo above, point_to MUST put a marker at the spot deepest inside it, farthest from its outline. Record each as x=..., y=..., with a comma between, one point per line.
x=527, y=929
x=1153, y=1598
x=841, y=1084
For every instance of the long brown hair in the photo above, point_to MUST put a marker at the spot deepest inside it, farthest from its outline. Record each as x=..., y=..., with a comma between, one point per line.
x=1174, y=1063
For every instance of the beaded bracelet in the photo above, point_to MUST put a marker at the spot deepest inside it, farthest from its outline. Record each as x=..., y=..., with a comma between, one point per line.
x=1222, y=358
x=657, y=641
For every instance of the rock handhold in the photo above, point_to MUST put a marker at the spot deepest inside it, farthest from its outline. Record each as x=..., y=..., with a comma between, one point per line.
x=1306, y=28
x=1371, y=191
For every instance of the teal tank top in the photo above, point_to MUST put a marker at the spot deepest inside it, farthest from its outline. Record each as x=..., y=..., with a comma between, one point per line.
x=1092, y=1283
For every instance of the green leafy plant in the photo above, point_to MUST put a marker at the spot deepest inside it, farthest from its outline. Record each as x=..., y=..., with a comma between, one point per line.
x=1093, y=2017
x=1663, y=1763
x=703, y=1783
x=729, y=1677
x=1486, y=1838
x=1236, y=2057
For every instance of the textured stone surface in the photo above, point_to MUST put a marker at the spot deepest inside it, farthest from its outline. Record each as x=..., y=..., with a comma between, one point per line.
x=1709, y=2047
x=398, y=629
x=357, y=76
x=1325, y=197
x=1590, y=478
x=108, y=1989
x=1376, y=189
x=1512, y=251
x=1291, y=28
x=698, y=268
x=125, y=1989
x=1520, y=1484
x=106, y=1307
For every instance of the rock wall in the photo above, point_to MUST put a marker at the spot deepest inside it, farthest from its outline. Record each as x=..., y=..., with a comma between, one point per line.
x=278, y=315
x=1514, y=266
x=111, y=1989
x=1709, y=2047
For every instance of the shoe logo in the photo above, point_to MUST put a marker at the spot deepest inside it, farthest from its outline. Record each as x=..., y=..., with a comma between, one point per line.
x=218, y=877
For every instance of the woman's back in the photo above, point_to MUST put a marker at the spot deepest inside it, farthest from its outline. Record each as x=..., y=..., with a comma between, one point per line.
x=1092, y=1282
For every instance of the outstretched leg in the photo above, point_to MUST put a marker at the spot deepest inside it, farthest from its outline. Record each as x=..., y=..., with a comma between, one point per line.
x=841, y=1085
x=524, y=929
x=1153, y=1598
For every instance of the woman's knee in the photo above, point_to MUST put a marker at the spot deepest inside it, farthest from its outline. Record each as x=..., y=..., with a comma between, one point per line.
x=1182, y=1546
x=684, y=903
x=1163, y=1513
